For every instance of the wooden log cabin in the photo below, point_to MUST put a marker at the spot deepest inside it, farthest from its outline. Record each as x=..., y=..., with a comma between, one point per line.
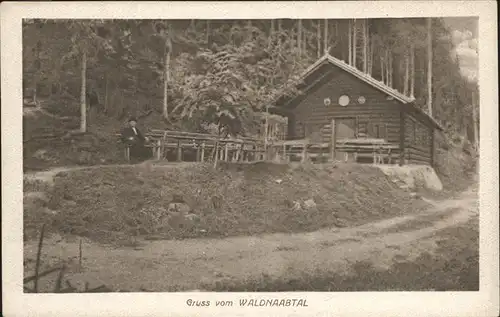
x=361, y=106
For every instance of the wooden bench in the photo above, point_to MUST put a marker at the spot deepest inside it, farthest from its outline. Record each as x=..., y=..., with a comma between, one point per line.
x=378, y=150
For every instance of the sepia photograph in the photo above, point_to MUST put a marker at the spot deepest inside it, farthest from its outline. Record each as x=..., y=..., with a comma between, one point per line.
x=250, y=155
x=240, y=155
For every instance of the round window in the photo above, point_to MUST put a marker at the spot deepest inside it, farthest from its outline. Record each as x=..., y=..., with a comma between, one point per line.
x=344, y=100
x=361, y=100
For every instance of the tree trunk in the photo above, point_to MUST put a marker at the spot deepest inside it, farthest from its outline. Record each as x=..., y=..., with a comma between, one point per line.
x=370, y=57
x=354, y=42
x=318, y=38
x=387, y=67
x=407, y=74
x=412, y=71
x=299, y=37
x=266, y=132
x=83, y=94
x=271, y=35
x=304, y=40
x=280, y=29
x=166, y=74
x=382, y=69
x=365, y=46
x=350, y=42
x=475, y=122
x=207, y=38
x=325, y=38
x=391, y=69
x=429, y=66
x=106, y=94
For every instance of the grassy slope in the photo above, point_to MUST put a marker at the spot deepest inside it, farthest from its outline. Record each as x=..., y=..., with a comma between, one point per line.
x=112, y=202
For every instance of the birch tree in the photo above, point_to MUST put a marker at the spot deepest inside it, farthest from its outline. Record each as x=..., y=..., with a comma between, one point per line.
x=85, y=44
x=325, y=37
x=429, y=66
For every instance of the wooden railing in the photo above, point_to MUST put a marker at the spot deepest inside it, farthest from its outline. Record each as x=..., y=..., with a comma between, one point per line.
x=206, y=146
x=378, y=150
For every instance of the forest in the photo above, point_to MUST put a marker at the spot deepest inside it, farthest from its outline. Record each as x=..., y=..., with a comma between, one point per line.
x=193, y=73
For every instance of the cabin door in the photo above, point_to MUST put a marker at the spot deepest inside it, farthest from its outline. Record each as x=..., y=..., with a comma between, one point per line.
x=345, y=128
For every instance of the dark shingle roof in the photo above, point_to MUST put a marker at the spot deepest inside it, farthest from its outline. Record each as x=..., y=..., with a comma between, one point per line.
x=369, y=80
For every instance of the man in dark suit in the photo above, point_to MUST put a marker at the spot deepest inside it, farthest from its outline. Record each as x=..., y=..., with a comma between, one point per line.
x=133, y=137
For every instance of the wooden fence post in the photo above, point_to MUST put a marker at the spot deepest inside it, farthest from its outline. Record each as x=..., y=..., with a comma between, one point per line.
x=216, y=153
x=158, y=150
x=179, y=151
x=202, y=152
x=304, y=151
x=285, y=158
x=333, y=140
x=197, y=152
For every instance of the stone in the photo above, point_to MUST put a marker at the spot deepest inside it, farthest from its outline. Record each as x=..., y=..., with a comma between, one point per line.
x=192, y=217
x=181, y=208
x=296, y=206
x=42, y=155
x=415, y=195
x=70, y=203
x=309, y=204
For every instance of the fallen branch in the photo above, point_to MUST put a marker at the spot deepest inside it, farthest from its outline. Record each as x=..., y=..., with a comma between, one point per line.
x=38, y=256
x=60, y=276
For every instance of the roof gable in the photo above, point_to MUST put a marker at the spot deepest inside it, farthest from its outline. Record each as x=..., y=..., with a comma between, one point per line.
x=380, y=86
x=359, y=74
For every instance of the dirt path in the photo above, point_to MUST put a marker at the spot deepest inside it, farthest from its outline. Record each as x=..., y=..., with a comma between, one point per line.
x=48, y=175
x=189, y=264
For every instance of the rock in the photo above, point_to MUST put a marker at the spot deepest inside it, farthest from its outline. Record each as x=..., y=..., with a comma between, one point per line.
x=415, y=195
x=309, y=204
x=278, y=181
x=42, y=155
x=296, y=206
x=192, y=217
x=49, y=211
x=71, y=203
x=181, y=208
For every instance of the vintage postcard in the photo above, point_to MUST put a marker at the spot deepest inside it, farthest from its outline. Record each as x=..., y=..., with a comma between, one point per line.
x=250, y=158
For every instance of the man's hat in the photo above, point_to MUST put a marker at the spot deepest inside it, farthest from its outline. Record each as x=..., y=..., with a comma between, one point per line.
x=132, y=119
